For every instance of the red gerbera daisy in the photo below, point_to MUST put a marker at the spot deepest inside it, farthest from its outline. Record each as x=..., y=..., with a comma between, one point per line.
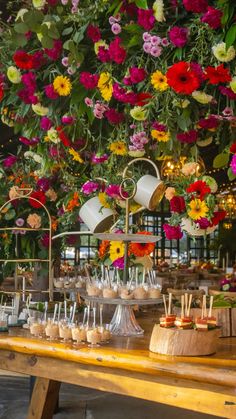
x=141, y=249
x=233, y=148
x=216, y=75
x=182, y=78
x=143, y=99
x=40, y=196
x=200, y=188
x=218, y=216
x=23, y=60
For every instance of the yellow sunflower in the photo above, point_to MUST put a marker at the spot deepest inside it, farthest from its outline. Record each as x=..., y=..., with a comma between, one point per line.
x=159, y=81
x=118, y=147
x=62, y=85
x=76, y=155
x=103, y=199
x=198, y=209
x=163, y=136
x=117, y=250
x=105, y=86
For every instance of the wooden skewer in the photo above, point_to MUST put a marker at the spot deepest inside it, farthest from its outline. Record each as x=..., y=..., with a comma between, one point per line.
x=186, y=304
x=211, y=304
x=189, y=304
x=203, y=306
x=164, y=300
x=169, y=305
x=182, y=306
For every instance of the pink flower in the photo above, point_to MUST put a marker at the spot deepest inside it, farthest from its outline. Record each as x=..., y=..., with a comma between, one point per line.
x=113, y=191
x=99, y=158
x=29, y=80
x=118, y=263
x=27, y=97
x=45, y=240
x=212, y=17
x=9, y=161
x=30, y=142
x=159, y=127
x=228, y=111
x=45, y=123
x=137, y=74
x=233, y=164
x=188, y=137
x=89, y=187
x=208, y=123
x=38, y=59
x=226, y=91
x=147, y=47
x=116, y=51
x=147, y=37
x=50, y=92
x=55, y=52
x=93, y=33
x=89, y=80
x=65, y=61
x=121, y=95
x=103, y=54
x=178, y=36
x=114, y=117
x=99, y=110
x=165, y=42
x=156, y=51
x=67, y=119
x=88, y=102
x=172, y=232
x=203, y=223
x=196, y=6
x=116, y=28
x=146, y=19
x=155, y=40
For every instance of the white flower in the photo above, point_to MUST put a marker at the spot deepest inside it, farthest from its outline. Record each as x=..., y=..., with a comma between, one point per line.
x=158, y=9
x=52, y=135
x=222, y=54
x=202, y=97
x=13, y=75
x=39, y=4
x=40, y=110
x=37, y=158
x=28, y=154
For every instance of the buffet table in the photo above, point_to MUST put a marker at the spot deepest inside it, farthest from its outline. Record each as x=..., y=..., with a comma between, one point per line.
x=124, y=366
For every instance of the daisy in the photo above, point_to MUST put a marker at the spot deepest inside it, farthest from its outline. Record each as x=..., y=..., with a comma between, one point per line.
x=159, y=81
x=117, y=250
x=119, y=148
x=198, y=209
x=62, y=85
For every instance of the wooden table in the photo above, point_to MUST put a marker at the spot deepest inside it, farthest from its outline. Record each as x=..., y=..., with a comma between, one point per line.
x=125, y=366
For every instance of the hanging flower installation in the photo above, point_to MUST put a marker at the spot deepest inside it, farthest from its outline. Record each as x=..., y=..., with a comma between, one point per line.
x=88, y=86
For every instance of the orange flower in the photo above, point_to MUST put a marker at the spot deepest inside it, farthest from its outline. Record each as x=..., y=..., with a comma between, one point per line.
x=142, y=249
x=54, y=223
x=74, y=202
x=103, y=248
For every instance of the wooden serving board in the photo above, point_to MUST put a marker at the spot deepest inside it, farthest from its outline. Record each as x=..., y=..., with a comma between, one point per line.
x=178, y=342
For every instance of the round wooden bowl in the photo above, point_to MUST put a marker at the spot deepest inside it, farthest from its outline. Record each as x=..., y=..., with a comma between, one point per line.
x=180, y=342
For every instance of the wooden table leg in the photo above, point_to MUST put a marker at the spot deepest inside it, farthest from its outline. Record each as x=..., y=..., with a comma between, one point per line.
x=44, y=399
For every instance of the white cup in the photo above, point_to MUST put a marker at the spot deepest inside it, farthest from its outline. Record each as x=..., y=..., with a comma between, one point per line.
x=97, y=218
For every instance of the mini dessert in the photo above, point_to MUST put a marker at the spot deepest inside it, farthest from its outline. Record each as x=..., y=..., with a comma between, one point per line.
x=93, y=291
x=37, y=329
x=52, y=330
x=93, y=336
x=167, y=321
x=79, y=334
x=154, y=293
x=140, y=293
x=201, y=324
x=105, y=334
x=65, y=332
x=126, y=294
x=184, y=322
x=109, y=293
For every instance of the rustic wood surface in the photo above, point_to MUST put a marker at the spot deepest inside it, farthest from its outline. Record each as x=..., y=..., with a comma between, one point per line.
x=172, y=341
x=233, y=321
x=125, y=366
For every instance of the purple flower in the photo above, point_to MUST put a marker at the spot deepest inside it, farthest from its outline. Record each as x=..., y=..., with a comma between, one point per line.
x=203, y=223
x=20, y=222
x=29, y=80
x=226, y=91
x=119, y=263
x=9, y=161
x=67, y=119
x=178, y=36
x=60, y=212
x=116, y=28
x=233, y=164
x=89, y=187
x=188, y=137
x=43, y=184
x=212, y=17
x=99, y=158
x=45, y=123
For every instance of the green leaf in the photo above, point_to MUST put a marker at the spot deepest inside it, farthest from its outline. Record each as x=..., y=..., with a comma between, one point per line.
x=230, y=37
x=67, y=31
x=20, y=40
x=135, y=40
x=21, y=28
x=221, y=160
x=10, y=214
x=47, y=42
x=230, y=174
x=142, y=4
x=133, y=28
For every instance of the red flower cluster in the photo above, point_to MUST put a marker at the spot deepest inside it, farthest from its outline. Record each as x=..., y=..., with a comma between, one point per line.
x=39, y=196
x=89, y=80
x=26, y=61
x=200, y=188
x=208, y=123
x=216, y=75
x=195, y=6
x=182, y=78
x=93, y=33
x=63, y=137
x=177, y=204
x=114, y=117
x=218, y=216
x=172, y=232
x=233, y=148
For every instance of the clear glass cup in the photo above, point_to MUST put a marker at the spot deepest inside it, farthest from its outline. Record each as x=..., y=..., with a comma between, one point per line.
x=52, y=330
x=37, y=328
x=93, y=337
x=65, y=331
x=79, y=334
x=104, y=330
